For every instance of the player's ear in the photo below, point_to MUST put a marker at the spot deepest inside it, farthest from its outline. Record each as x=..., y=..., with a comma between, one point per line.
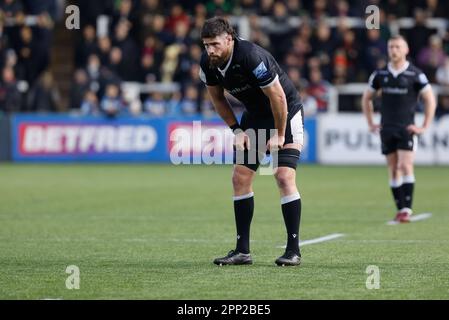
x=406, y=47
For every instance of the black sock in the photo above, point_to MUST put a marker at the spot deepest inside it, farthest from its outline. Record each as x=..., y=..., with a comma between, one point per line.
x=398, y=195
x=407, y=189
x=243, y=211
x=291, y=210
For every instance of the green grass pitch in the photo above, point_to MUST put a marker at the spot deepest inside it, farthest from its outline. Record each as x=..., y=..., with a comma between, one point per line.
x=152, y=231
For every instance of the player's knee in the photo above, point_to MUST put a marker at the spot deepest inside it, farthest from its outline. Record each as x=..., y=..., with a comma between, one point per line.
x=284, y=178
x=405, y=168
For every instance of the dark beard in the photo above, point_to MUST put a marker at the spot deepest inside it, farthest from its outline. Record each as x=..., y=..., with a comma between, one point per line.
x=215, y=63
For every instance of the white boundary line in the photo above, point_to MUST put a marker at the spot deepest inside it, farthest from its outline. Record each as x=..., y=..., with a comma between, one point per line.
x=318, y=240
x=414, y=218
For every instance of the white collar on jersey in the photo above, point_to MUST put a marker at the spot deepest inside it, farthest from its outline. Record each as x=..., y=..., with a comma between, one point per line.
x=396, y=72
x=223, y=72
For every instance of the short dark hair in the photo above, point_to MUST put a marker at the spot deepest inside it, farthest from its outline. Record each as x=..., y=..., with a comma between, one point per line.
x=215, y=26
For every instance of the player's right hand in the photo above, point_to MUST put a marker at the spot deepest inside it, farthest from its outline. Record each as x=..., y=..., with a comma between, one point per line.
x=374, y=128
x=241, y=140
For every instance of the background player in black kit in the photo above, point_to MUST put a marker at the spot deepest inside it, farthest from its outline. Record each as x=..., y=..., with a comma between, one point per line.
x=250, y=74
x=400, y=83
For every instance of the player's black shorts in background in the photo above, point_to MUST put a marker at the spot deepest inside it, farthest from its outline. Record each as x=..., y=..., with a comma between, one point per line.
x=396, y=138
x=264, y=129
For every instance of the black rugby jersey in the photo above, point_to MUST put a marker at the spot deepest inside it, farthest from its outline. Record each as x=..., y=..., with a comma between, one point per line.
x=400, y=90
x=249, y=69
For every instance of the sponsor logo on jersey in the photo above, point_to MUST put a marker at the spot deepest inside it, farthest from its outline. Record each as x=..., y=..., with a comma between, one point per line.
x=261, y=71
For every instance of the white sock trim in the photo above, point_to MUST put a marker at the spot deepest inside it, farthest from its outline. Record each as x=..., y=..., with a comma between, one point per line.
x=242, y=197
x=396, y=183
x=408, y=179
x=290, y=198
x=407, y=210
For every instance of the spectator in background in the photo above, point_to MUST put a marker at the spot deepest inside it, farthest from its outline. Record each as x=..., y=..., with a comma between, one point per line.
x=189, y=103
x=207, y=108
x=180, y=35
x=200, y=10
x=431, y=57
x=80, y=85
x=395, y=9
x=295, y=76
x=266, y=8
x=300, y=48
x=86, y=46
x=246, y=7
x=319, y=89
x=89, y=104
x=151, y=46
x=46, y=12
x=443, y=107
x=385, y=32
x=305, y=30
x=147, y=11
x=125, y=12
x=159, y=30
x=279, y=30
x=9, y=59
x=103, y=49
x=435, y=8
x=93, y=72
x=375, y=49
x=351, y=50
x=418, y=36
x=12, y=10
x=257, y=35
x=173, y=104
x=195, y=81
x=91, y=9
x=28, y=56
x=149, y=72
x=294, y=8
x=442, y=75
x=310, y=104
x=44, y=95
x=185, y=62
x=117, y=64
x=155, y=105
x=177, y=17
x=129, y=50
x=323, y=46
x=195, y=30
x=112, y=103
x=340, y=63
x=319, y=10
x=219, y=7
x=340, y=8
x=10, y=99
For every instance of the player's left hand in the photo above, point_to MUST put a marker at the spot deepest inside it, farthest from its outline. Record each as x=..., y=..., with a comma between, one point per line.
x=415, y=130
x=275, y=143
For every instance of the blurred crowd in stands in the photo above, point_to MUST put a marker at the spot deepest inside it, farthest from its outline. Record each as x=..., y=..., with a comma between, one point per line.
x=158, y=41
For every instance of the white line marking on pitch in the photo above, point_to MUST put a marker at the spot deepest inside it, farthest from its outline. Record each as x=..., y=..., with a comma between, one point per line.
x=418, y=217
x=318, y=240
